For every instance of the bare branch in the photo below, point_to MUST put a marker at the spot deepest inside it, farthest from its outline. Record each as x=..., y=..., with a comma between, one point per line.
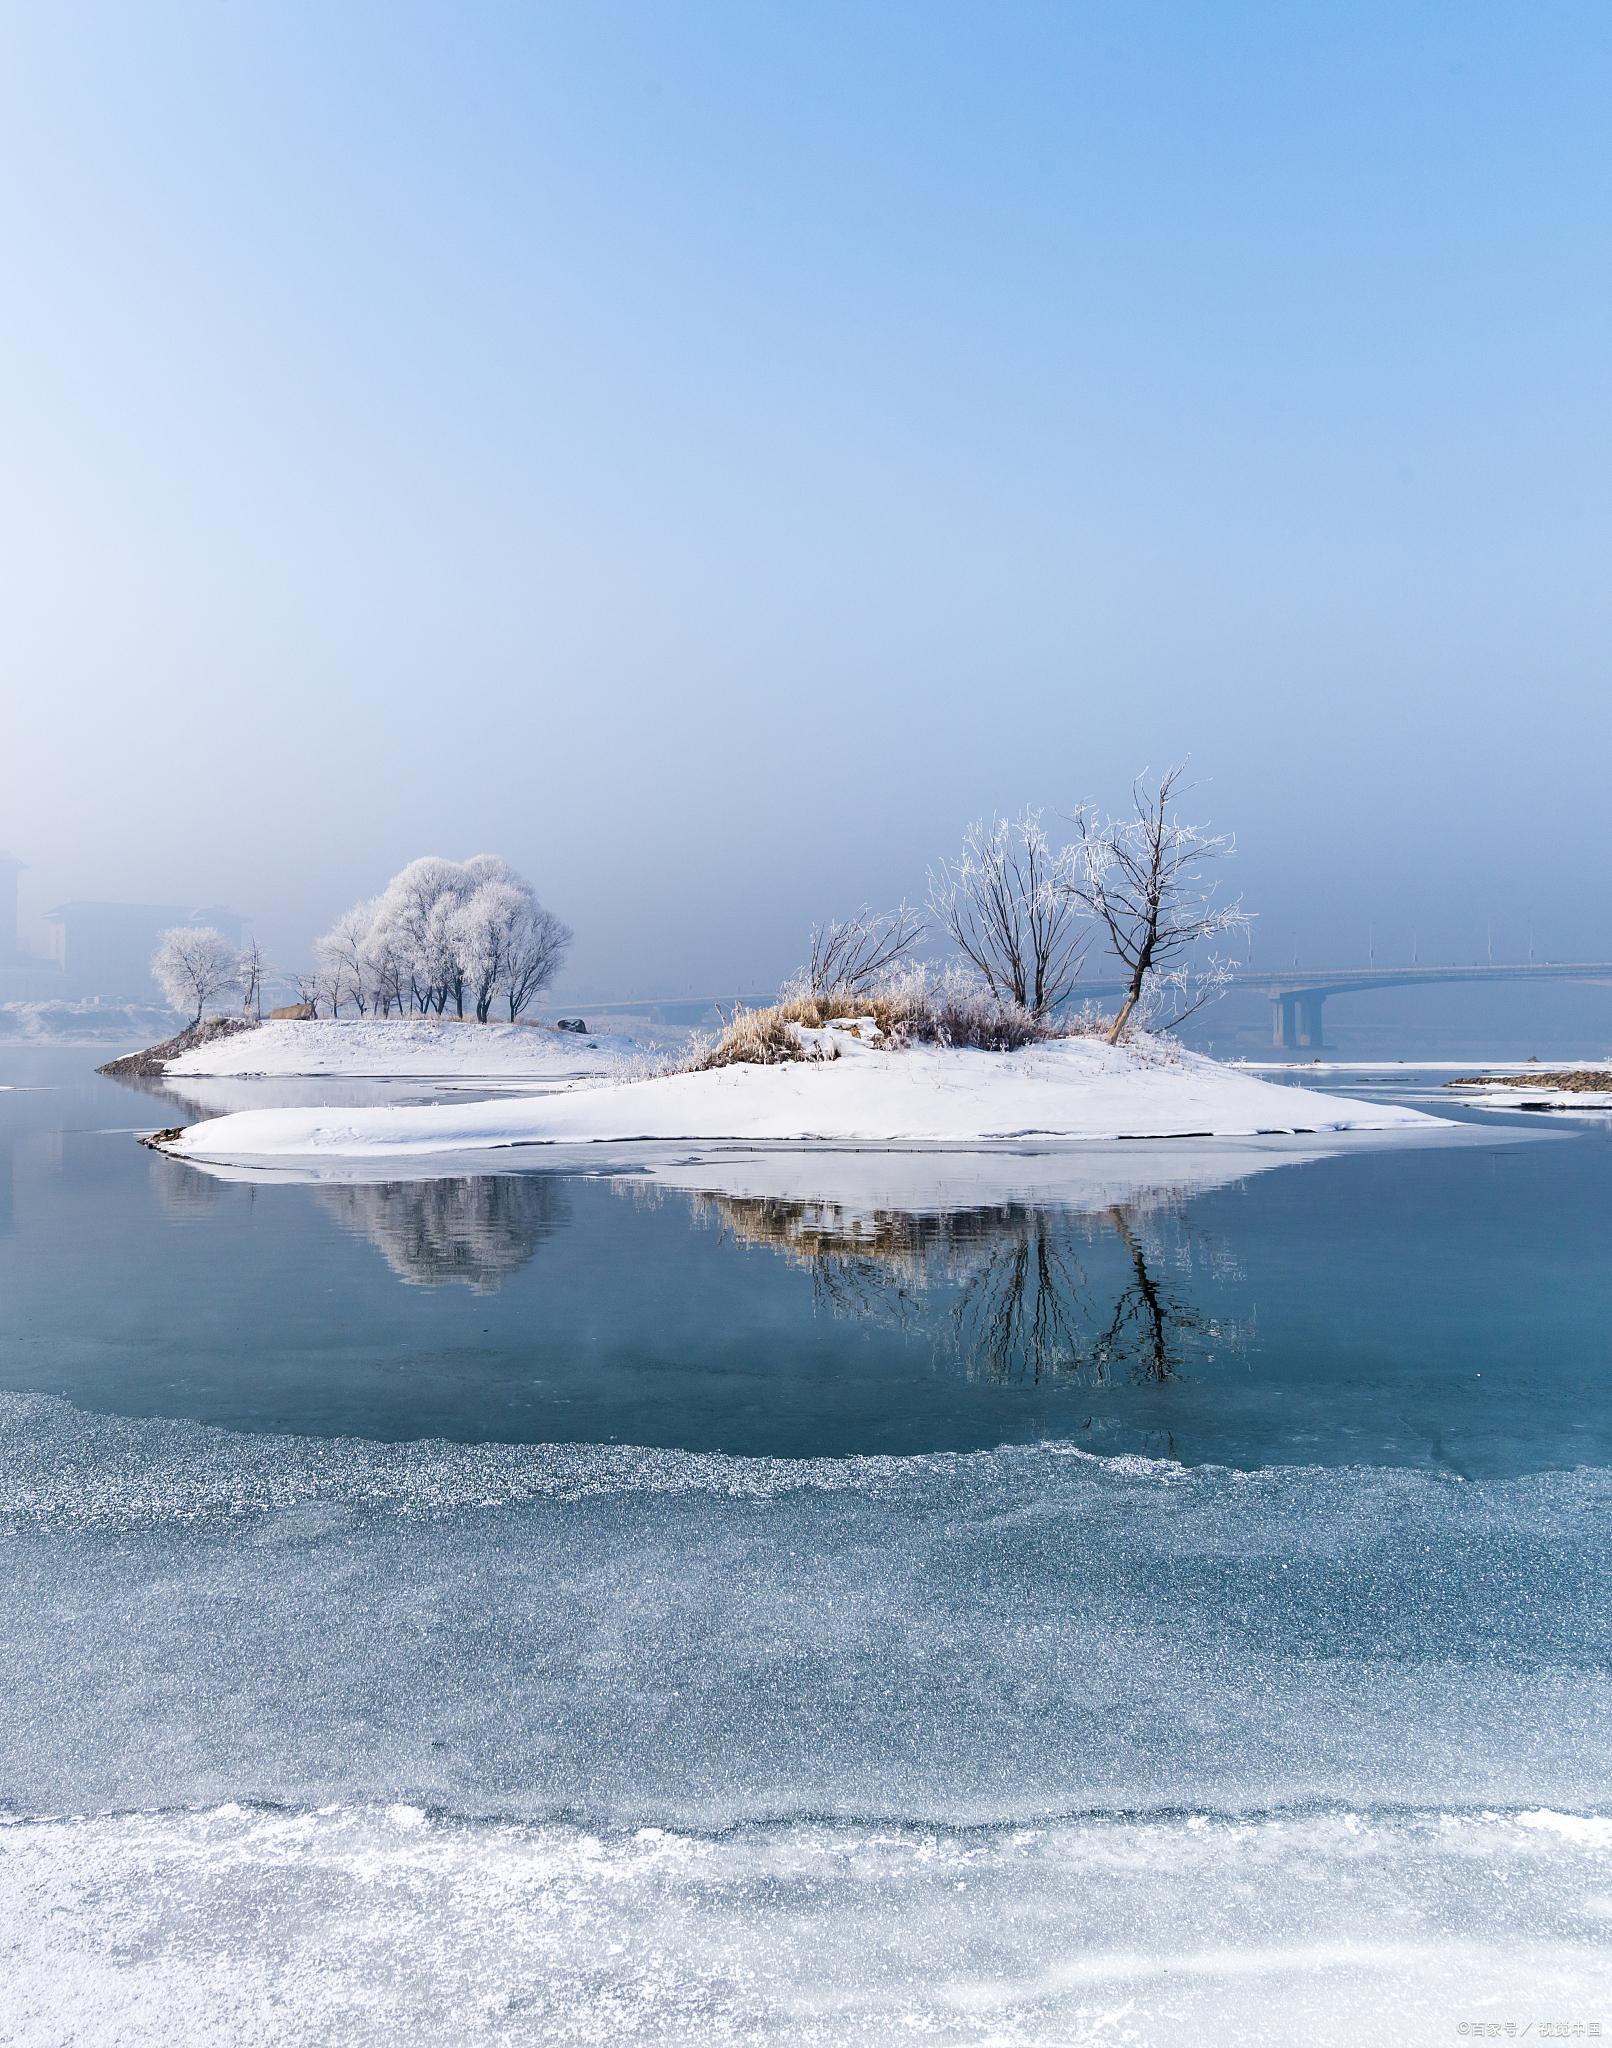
x=852, y=955
x=1144, y=880
x=1009, y=905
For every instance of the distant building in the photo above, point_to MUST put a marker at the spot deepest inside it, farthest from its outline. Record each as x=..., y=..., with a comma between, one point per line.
x=105, y=949
x=24, y=978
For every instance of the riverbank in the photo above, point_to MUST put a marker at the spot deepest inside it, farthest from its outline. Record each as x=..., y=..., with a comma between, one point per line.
x=1539, y=1088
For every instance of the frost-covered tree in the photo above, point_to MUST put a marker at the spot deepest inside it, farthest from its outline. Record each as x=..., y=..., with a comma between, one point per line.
x=1007, y=906
x=254, y=975
x=1146, y=881
x=194, y=963
x=384, y=966
x=441, y=933
x=482, y=934
x=853, y=954
x=537, y=946
x=415, y=906
x=341, y=965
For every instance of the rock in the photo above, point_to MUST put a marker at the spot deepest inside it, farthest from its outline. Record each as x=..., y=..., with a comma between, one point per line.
x=154, y=1059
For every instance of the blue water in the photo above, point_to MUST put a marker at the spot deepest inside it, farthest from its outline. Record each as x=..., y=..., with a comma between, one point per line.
x=1439, y=1306
x=1127, y=1598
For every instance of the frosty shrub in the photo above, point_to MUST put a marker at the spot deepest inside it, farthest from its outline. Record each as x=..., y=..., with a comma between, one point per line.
x=914, y=1006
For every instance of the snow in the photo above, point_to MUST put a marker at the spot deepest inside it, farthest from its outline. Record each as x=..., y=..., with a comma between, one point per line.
x=406, y=1048
x=314, y=1740
x=1497, y=1096
x=1078, y=1088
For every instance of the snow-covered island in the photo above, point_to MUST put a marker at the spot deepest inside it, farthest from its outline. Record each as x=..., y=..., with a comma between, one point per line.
x=404, y=1049
x=852, y=1087
x=1571, y=1088
x=869, y=1045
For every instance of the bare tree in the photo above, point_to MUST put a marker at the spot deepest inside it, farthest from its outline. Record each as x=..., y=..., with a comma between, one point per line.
x=310, y=990
x=854, y=953
x=536, y=948
x=192, y=964
x=1010, y=908
x=1144, y=880
x=385, y=968
x=340, y=959
x=254, y=972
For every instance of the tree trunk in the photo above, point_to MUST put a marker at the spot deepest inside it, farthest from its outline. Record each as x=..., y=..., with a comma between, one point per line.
x=1132, y=998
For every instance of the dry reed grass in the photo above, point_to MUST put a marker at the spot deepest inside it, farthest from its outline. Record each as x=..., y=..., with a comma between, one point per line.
x=913, y=1009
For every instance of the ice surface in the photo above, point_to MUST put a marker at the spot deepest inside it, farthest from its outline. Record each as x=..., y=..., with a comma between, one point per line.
x=352, y=1926
x=326, y=1741
x=698, y=1640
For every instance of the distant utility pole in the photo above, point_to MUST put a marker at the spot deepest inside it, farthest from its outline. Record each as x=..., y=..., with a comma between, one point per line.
x=1491, y=942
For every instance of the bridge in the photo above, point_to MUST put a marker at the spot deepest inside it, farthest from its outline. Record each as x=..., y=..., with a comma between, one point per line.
x=1296, y=994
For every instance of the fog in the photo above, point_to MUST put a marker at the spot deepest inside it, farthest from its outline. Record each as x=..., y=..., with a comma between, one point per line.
x=708, y=454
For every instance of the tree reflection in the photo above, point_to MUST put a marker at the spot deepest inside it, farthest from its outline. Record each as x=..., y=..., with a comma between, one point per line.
x=1027, y=1292
x=473, y=1231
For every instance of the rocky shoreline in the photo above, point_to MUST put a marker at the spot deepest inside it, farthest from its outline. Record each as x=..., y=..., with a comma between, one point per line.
x=1567, y=1081
x=152, y=1062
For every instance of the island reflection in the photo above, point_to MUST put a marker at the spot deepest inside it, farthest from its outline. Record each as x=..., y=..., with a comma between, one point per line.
x=1016, y=1291
x=474, y=1231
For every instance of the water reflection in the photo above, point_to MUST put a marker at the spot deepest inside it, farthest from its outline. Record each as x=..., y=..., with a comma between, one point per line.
x=183, y=1191
x=475, y=1231
x=1017, y=1291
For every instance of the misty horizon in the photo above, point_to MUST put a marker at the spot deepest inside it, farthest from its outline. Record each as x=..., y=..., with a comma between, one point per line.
x=581, y=447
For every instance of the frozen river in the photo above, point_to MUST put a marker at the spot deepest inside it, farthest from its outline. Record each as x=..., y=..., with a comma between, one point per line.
x=1156, y=1595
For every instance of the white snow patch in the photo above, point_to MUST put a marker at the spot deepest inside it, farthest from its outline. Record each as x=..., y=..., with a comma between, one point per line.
x=406, y=1048
x=1070, y=1089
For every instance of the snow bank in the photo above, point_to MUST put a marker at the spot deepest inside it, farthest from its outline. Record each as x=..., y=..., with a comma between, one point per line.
x=1497, y=1096
x=1069, y=1089
x=406, y=1048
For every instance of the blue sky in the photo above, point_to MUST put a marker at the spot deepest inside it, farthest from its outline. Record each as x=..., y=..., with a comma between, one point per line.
x=708, y=453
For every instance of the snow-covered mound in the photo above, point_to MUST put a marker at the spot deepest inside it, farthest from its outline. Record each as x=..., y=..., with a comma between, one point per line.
x=1077, y=1088
x=407, y=1048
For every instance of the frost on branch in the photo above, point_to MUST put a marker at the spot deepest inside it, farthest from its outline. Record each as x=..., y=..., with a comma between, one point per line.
x=461, y=934
x=859, y=952
x=1147, y=881
x=194, y=963
x=1008, y=904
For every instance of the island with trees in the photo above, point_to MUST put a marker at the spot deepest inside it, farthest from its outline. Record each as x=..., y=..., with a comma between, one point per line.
x=961, y=1022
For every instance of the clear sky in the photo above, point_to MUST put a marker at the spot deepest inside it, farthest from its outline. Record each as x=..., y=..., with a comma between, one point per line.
x=708, y=452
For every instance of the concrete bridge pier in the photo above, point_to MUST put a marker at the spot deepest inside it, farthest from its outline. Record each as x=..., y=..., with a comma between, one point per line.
x=1296, y=1020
